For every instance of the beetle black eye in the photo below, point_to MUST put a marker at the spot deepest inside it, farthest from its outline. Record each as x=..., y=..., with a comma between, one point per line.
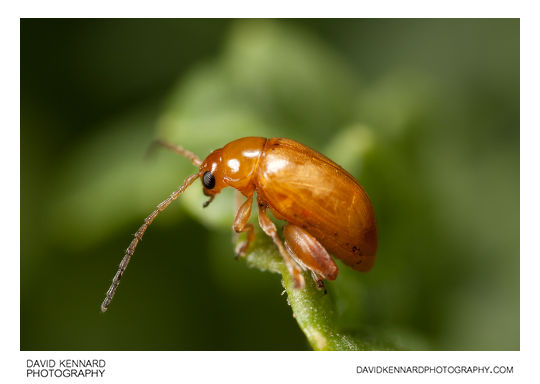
x=209, y=180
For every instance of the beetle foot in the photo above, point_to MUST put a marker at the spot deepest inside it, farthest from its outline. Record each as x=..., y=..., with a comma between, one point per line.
x=320, y=285
x=298, y=278
x=241, y=249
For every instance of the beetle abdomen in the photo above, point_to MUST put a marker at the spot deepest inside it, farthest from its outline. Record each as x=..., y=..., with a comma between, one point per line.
x=309, y=190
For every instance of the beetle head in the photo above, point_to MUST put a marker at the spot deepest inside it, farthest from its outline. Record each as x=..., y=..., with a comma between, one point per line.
x=211, y=174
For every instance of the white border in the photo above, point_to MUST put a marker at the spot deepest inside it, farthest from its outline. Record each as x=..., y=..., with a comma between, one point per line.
x=269, y=366
x=281, y=367
x=271, y=9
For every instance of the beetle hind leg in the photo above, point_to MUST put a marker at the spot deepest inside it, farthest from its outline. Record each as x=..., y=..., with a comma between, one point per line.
x=309, y=253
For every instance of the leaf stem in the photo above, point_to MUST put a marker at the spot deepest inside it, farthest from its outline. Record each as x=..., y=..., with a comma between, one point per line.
x=313, y=310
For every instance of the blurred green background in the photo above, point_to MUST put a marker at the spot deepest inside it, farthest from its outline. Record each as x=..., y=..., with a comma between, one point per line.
x=425, y=113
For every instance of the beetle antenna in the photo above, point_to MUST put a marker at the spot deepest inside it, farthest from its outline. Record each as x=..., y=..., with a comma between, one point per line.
x=175, y=148
x=138, y=236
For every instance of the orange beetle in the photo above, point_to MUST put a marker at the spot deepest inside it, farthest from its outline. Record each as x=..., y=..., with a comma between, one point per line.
x=326, y=209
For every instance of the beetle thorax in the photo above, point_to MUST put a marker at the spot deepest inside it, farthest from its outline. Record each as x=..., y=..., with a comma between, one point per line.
x=235, y=164
x=239, y=161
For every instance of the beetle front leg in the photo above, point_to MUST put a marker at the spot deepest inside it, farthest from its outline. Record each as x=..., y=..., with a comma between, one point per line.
x=241, y=225
x=270, y=229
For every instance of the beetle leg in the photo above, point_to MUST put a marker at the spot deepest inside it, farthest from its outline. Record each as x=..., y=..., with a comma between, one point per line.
x=319, y=282
x=270, y=229
x=241, y=224
x=309, y=253
x=238, y=200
